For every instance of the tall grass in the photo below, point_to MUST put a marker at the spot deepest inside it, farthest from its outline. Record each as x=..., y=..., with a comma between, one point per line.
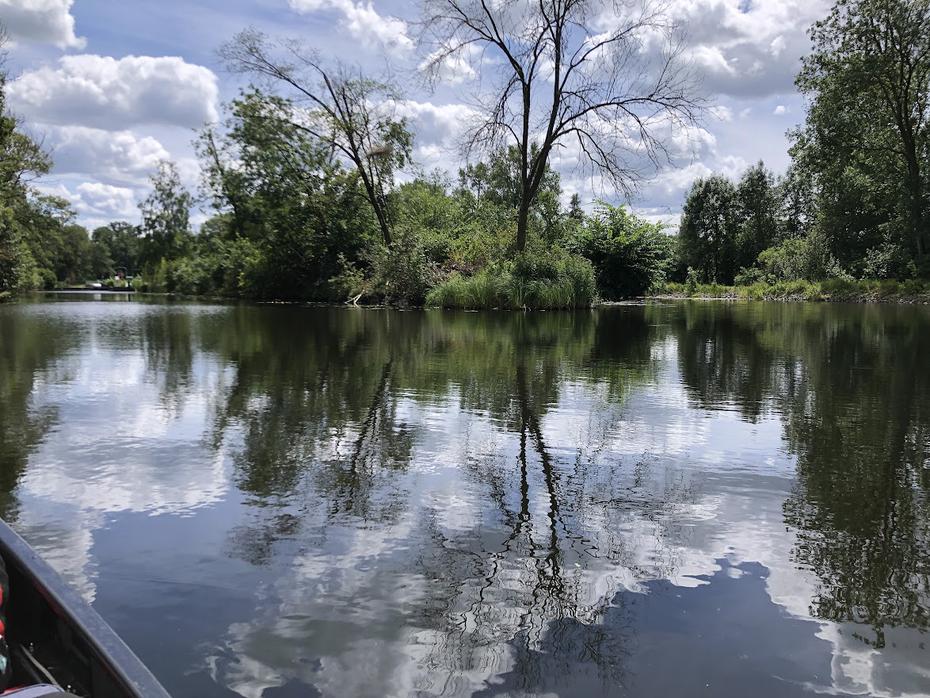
x=837, y=290
x=569, y=283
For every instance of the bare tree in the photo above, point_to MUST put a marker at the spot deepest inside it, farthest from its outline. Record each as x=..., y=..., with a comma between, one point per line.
x=605, y=74
x=351, y=113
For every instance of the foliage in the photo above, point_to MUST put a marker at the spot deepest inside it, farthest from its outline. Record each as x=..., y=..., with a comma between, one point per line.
x=843, y=289
x=344, y=111
x=21, y=159
x=797, y=258
x=532, y=281
x=866, y=141
x=630, y=255
x=403, y=274
x=17, y=267
x=707, y=239
x=277, y=187
x=166, y=216
x=758, y=209
x=560, y=77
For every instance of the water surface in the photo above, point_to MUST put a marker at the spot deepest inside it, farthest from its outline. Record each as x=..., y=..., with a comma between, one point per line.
x=663, y=500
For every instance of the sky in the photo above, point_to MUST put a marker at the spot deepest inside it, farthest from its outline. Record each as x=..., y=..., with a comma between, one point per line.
x=112, y=88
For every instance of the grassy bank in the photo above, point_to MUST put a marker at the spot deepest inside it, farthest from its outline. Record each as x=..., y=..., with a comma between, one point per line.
x=529, y=282
x=832, y=290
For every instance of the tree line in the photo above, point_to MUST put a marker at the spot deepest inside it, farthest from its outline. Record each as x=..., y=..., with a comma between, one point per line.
x=315, y=195
x=855, y=201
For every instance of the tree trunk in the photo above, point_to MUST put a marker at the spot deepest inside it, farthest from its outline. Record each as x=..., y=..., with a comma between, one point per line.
x=376, y=204
x=523, y=218
x=385, y=229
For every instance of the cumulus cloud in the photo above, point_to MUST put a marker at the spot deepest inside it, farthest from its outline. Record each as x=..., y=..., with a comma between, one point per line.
x=118, y=157
x=46, y=21
x=439, y=128
x=741, y=48
x=110, y=93
x=97, y=203
x=780, y=110
x=362, y=21
x=454, y=69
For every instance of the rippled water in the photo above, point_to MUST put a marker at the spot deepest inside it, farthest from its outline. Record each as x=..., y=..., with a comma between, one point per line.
x=662, y=500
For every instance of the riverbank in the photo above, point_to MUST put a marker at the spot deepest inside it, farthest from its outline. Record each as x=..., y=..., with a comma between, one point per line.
x=832, y=290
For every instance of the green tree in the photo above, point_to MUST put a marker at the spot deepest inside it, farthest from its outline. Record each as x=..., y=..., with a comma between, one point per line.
x=352, y=114
x=120, y=243
x=757, y=199
x=17, y=267
x=867, y=135
x=495, y=183
x=166, y=216
x=21, y=159
x=294, y=219
x=709, y=229
x=76, y=261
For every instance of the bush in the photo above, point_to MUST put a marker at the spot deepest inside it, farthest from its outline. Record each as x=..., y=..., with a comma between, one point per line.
x=804, y=258
x=630, y=256
x=402, y=273
x=889, y=260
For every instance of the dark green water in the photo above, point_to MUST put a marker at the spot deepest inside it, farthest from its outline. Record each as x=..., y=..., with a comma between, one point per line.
x=670, y=500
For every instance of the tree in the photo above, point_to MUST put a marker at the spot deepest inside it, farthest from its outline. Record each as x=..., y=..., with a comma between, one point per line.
x=43, y=220
x=560, y=78
x=797, y=202
x=122, y=246
x=630, y=255
x=17, y=268
x=707, y=239
x=575, y=212
x=21, y=158
x=166, y=216
x=293, y=213
x=352, y=114
x=76, y=261
x=869, y=122
x=497, y=182
x=758, y=213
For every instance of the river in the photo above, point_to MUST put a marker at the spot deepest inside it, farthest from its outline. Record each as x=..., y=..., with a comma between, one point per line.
x=670, y=499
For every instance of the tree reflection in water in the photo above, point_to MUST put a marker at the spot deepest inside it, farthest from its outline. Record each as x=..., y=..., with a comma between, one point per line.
x=439, y=502
x=852, y=386
x=556, y=544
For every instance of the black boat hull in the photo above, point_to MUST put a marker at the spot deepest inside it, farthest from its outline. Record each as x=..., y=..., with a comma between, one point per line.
x=56, y=637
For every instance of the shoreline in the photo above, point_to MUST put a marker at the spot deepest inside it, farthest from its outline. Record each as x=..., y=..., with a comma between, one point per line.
x=881, y=293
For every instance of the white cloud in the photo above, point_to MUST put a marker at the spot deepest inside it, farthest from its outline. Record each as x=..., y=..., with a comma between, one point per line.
x=722, y=113
x=439, y=128
x=455, y=69
x=362, y=21
x=46, y=21
x=745, y=49
x=110, y=93
x=120, y=157
x=780, y=110
x=96, y=203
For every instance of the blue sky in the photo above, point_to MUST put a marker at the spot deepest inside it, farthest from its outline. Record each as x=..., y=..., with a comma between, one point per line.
x=111, y=87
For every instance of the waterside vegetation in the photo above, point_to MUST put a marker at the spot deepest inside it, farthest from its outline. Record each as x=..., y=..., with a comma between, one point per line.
x=314, y=193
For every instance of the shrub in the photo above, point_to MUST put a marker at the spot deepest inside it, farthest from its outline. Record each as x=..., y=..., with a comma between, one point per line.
x=630, y=256
x=889, y=260
x=402, y=272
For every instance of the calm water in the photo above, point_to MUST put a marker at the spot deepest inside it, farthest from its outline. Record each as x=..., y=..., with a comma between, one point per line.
x=670, y=500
